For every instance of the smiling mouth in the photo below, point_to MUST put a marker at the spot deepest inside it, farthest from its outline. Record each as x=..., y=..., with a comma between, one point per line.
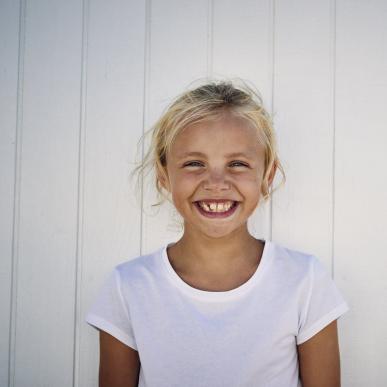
x=216, y=209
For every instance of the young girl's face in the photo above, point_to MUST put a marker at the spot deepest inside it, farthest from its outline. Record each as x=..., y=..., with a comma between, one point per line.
x=215, y=172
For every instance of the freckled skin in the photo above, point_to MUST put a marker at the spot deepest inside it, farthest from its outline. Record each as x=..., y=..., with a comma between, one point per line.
x=214, y=176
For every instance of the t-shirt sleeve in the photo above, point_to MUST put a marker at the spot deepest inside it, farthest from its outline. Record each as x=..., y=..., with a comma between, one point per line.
x=109, y=311
x=324, y=303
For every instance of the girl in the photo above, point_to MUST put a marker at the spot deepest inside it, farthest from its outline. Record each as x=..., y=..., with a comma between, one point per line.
x=217, y=308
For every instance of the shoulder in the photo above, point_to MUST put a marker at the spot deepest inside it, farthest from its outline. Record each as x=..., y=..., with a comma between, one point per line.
x=297, y=269
x=293, y=261
x=139, y=268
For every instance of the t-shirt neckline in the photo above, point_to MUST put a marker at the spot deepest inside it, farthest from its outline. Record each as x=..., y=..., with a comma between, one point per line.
x=214, y=295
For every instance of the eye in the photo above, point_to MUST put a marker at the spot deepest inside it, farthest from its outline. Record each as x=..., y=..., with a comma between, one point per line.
x=238, y=164
x=193, y=164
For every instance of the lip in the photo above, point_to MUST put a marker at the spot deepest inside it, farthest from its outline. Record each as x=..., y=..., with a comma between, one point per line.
x=217, y=215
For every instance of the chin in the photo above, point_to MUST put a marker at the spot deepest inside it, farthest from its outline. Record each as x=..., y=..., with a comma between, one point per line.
x=217, y=233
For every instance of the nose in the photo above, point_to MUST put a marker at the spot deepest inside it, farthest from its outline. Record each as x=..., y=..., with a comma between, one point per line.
x=216, y=180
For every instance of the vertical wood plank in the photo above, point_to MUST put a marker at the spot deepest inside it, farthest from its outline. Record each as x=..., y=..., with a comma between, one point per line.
x=242, y=48
x=113, y=125
x=178, y=56
x=361, y=188
x=303, y=111
x=9, y=68
x=48, y=197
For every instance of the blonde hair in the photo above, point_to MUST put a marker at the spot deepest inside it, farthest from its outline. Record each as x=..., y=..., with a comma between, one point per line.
x=206, y=103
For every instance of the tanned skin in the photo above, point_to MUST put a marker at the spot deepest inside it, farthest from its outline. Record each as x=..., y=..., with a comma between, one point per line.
x=319, y=359
x=119, y=364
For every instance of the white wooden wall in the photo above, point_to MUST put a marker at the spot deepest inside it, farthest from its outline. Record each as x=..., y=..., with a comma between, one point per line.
x=80, y=80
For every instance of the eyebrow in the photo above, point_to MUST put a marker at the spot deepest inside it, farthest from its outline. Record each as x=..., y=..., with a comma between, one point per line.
x=200, y=154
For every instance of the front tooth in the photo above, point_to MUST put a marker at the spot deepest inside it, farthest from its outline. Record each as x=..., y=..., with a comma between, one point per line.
x=220, y=207
x=205, y=206
x=216, y=207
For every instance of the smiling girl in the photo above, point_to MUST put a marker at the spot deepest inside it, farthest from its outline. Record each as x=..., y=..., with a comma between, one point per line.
x=218, y=307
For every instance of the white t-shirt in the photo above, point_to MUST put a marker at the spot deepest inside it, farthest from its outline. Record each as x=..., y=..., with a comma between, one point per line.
x=244, y=337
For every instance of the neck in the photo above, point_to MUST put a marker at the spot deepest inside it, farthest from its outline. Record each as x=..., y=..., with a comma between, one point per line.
x=195, y=250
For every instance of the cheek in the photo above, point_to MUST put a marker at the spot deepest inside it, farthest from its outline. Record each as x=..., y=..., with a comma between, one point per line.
x=249, y=185
x=185, y=181
x=250, y=180
x=183, y=186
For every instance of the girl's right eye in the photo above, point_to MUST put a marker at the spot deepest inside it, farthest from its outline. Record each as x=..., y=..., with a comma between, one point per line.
x=193, y=164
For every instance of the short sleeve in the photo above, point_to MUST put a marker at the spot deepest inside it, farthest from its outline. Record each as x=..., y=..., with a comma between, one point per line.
x=324, y=303
x=109, y=312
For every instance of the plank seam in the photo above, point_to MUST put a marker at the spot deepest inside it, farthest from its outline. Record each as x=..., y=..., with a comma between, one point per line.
x=272, y=36
x=333, y=64
x=210, y=37
x=81, y=190
x=146, y=80
x=17, y=194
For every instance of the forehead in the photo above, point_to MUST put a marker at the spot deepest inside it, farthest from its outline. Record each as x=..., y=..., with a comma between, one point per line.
x=229, y=134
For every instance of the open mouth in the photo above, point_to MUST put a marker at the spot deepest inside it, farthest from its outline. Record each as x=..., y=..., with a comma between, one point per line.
x=221, y=209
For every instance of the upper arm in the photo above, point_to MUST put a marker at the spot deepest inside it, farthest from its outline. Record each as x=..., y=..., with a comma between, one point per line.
x=119, y=364
x=319, y=358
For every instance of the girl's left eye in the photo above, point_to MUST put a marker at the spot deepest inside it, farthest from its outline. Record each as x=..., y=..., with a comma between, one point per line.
x=238, y=164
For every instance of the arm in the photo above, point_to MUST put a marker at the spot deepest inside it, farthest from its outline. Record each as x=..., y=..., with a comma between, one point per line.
x=119, y=364
x=319, y=359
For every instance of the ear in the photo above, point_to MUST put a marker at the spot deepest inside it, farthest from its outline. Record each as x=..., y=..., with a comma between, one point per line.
x=162, y=177
x=272, y=173
x=268, y=179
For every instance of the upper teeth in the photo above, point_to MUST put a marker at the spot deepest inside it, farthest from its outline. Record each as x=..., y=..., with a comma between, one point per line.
x=216, y=207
